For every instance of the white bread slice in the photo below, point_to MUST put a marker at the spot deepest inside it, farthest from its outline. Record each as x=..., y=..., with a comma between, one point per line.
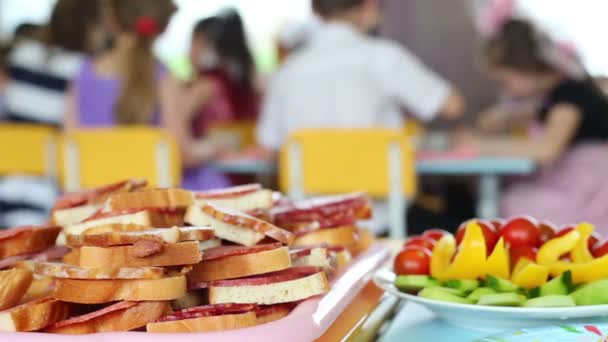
x=205, y=324
x=260, y=199
x=123, y=316
x=60, y=270
x=243, y=236
x=121, y=237
x=152, y=198
x=318, y=257
x=71, y=216
x=152, y=218
x=343, y=258
x=273, y=293
x=239, y=266
x=105, y=291
x=205, y=245
x=342, y=236
x=34, y=315
x=41, y=287
x=172, y=254
x=27, y=240
x=14, y=284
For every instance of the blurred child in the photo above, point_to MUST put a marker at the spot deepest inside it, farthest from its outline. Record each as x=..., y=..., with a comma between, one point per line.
x=45, y=59
x=127, y=85
x=223, y=63
x=570, y=145
x=344, y=77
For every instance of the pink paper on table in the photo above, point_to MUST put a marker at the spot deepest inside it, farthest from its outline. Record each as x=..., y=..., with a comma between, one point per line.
x=307, y=322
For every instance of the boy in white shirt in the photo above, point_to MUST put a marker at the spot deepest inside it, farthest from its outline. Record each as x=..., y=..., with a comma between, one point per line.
x=346, y=78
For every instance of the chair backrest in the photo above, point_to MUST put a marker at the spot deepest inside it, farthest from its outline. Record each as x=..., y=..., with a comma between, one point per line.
x=243, y=132
x=326, y=161
x=94, y=157
x=28, y=149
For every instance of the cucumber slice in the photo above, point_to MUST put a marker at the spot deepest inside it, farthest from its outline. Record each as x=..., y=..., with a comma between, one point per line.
x=502, y=299
x=501, y=285
x=415, y=283
x=439, y=293
x=550, y=301
x=464, y=285
x=592, y=294
x=478, y=292
x=560, y=285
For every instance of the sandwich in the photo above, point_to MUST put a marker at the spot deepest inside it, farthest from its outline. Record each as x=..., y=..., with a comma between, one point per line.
x=206, y=319
x=230, y=262
x=330, y=221
x=235, y=226
x=151, y=198
x=248, y=198
x=33, y=316
x=287, y=286
x=143, y=253
x=122, y=316
x=29, y=243
x=149, y=217
x=118, y=235
x=75, y=207
x=14, y=284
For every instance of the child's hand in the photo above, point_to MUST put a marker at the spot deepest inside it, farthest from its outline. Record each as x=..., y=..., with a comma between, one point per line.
x=492, y=120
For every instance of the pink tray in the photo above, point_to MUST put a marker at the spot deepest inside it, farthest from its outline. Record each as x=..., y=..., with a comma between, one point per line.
x=307, y=322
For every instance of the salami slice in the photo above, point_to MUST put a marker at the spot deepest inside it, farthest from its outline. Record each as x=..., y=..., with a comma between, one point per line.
x=270, y=278
x=207, y=311
x=226, y=251
x=229, y=192
x=95, y=314
x=355, y=205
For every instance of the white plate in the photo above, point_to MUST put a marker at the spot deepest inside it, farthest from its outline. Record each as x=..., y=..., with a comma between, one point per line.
x=493, y=318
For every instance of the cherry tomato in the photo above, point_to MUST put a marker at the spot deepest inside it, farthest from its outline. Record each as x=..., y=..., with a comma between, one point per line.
x=547, y=231
x=435, y=234
x=413, y=260
x=600, y=249
x=490, y=235
x=521, y=231
x=497, y=223
x=523, y=251
x=420, y=241
x=591, y=242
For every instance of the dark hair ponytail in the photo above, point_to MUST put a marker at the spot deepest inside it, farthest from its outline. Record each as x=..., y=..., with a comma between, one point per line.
x=518, y=46
x=226, y=32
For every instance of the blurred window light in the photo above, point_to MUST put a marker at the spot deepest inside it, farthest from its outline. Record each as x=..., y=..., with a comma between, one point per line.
x=263, y=20
x=581, y=22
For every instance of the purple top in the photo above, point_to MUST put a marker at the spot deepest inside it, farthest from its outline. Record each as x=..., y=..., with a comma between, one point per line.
x=95, y=101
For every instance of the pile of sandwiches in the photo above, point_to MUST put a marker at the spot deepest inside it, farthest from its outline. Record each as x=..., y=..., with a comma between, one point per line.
x=125, y=257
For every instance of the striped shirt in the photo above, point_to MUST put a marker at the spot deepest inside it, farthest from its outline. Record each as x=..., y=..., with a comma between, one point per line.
x=38, y=81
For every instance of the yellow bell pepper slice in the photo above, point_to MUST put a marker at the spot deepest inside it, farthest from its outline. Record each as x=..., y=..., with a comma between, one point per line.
x=498, y=262
x=582, y=273
x=528, y=274
x=442, y=256
x=551, y=251
x=470, y=261
x=521, y=264
x=581, y=253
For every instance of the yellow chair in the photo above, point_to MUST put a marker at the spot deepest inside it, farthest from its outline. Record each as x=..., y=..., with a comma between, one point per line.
x=243, y=132
x=28, y=149
x=328, y=161
x=94, y=157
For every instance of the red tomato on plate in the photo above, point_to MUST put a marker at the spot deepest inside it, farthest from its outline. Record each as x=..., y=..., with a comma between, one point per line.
x=547, y=231
x=521, y=231
x=523, y=251
x=489, y=234
x=600, y=249
x=497, y=223
x=435, y=234
x=420, y=241
x=413, y=260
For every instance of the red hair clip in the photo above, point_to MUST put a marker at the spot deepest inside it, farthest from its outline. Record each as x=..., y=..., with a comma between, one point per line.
x=146, y=27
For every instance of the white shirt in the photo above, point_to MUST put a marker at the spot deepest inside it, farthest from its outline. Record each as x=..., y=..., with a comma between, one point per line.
x=344, y=78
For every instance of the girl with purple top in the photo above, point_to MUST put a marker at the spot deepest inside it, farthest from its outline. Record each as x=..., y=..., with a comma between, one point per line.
x=128, y=86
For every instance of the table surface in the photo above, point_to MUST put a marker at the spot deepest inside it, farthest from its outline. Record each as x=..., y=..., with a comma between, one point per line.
x=443, y=166
x=415, y=323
